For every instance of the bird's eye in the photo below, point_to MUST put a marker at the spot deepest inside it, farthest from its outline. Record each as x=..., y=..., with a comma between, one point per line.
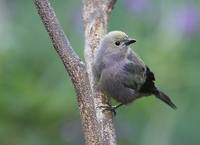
x=117, y=43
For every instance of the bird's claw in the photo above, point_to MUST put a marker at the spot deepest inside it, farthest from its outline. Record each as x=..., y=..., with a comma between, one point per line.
x=109, y=108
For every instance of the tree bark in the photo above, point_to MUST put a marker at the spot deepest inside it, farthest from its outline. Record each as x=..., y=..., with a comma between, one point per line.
x=95, y=16
x=97, y=125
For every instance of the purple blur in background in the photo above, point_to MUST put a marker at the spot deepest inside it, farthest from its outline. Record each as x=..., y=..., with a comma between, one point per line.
x=187, y=19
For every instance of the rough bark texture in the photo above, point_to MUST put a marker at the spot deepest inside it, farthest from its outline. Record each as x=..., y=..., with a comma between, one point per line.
x=95, y=16
x=97, y=125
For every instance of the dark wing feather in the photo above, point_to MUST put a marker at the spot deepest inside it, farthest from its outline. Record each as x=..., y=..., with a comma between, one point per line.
x=150, y=88
x=149, y=85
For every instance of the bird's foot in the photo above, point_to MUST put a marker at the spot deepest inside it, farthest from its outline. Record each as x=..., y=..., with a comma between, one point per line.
x=110, y=108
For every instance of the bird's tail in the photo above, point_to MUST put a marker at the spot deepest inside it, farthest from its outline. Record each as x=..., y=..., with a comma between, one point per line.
x=162, y=96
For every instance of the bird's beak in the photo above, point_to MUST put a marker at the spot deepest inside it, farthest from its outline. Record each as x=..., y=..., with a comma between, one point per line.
x=129, y=41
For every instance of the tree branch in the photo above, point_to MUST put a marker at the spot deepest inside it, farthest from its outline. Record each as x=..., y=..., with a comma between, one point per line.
x=75, y=68
x=95, y=16
x=98, y=126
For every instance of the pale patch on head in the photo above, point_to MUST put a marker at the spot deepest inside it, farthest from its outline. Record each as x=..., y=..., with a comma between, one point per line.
x=111, y=39
x=117, y=35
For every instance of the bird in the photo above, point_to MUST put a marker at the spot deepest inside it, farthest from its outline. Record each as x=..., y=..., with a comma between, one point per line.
x=121, y=74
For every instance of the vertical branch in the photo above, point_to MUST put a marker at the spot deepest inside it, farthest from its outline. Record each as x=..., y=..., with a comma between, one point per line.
x=95, y=16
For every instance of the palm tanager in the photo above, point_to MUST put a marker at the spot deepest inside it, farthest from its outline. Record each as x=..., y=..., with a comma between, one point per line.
x=121, y=74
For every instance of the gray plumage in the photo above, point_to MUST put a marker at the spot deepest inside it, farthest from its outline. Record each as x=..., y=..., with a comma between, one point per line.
x=121, y=74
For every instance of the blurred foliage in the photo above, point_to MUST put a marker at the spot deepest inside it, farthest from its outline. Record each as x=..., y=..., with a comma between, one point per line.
x=37, y=100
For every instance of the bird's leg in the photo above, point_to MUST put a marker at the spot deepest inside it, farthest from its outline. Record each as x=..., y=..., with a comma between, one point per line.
x=111, y=108
x=117, y=106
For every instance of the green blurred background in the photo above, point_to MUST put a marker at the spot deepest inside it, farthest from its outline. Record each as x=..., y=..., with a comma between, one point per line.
x=37, y=101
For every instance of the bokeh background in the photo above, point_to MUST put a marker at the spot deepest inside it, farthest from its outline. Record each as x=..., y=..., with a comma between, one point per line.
x=37, y=101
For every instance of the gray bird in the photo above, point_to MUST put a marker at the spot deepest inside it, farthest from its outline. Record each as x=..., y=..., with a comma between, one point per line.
x=121, y=74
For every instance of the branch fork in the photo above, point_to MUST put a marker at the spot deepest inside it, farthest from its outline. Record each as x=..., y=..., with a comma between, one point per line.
x=97, y=124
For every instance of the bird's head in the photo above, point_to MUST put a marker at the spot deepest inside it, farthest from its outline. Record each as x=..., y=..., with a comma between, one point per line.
x=117, y=40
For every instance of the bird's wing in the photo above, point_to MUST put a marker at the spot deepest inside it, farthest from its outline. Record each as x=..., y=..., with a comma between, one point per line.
x=135, y=69
x=142, y=72
x=135, y=75
x=149, y=85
